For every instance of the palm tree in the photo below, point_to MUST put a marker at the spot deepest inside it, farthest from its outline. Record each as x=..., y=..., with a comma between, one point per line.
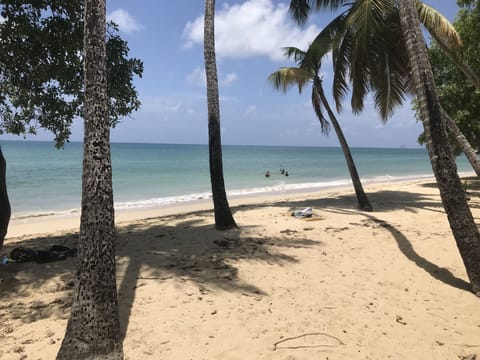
x=5, y=210
x=93, y=330
x=456, y=207
x=300, y=76
x=223, y=215
x=369, y=48
x=459, y=215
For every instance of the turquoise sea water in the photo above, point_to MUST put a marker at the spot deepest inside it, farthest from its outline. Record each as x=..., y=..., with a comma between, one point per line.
x=44, y=180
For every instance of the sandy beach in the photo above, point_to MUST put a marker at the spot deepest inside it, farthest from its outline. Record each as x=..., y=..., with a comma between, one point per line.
x=343, y=284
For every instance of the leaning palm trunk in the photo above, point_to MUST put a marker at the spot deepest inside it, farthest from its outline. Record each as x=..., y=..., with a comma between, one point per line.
x=93, y=330
x=471, y=75
x=5, y=210
x=362, y=199
x=451, y=125
x=223, y=215
x=462, y=142
x=453, y=198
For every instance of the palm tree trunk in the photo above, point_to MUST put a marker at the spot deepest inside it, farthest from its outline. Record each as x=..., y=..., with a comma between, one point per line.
x=451, y=125
x=463, y=142
x=362, y=199
x=462, y=65
x=459, y=215
x=5, y=210
x=93, y=330
x=223, y=215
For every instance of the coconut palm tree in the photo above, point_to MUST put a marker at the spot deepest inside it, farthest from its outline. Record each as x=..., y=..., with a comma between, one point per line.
x=459, y=215
x=223, y=215
x=453, y=198
x=370, y=53
x=301, y=76
x=93, y=329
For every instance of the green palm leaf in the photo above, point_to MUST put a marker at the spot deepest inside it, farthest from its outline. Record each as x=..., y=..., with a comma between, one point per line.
x=318, y=108
x=369, y=51
x=295, y=53
x=325, y=41
x=286, y=77
x=341, y=66
x=367, y=18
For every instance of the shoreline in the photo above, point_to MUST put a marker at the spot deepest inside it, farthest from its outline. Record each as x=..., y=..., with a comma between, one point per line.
x=188, y=198
x=62, y=221
x=70, y=219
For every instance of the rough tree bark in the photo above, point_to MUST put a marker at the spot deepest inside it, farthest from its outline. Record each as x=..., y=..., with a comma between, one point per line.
x=453, y=198
x=462, y=141
x=223, y=214
x=93, y=330
x=362, y=199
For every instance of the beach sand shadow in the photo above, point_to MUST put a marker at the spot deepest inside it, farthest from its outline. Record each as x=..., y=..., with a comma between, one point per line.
x=149, y=250
x=406, y=248
x=382, y=200
x=192, y=251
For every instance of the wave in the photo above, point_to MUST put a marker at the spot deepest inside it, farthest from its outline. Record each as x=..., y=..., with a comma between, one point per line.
x=39, y=214
x=279, y=187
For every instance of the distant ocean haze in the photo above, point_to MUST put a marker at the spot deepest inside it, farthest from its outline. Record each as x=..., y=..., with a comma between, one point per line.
x=44, y=180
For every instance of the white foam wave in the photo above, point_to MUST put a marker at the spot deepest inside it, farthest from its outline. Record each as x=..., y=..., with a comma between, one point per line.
x=275, y=188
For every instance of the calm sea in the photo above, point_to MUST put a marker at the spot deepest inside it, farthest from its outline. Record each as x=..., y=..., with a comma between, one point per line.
x=44, y=180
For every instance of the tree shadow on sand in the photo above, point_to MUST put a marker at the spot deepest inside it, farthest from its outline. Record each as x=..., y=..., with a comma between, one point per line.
x=192, y=251
x=385, y=201
x=382, y=200
x=148, y=250
x=405, y=246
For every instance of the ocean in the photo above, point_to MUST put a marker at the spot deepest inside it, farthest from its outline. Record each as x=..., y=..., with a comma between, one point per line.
x=43, y=180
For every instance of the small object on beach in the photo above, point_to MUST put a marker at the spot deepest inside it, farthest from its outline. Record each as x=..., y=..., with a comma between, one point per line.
x=55, y=252
x=307, y=212
x=6, y=260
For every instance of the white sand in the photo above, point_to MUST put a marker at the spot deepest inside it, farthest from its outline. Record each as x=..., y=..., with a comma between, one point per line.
x=343, y=285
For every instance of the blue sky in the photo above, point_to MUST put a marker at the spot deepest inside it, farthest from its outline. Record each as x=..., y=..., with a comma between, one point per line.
x=168, y=35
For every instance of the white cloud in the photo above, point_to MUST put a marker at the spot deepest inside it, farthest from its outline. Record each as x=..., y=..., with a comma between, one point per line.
x=160, y=105
x=198, y=78
x=229, y=79
x=126, y=22
x=253, y=28
x=250, y=109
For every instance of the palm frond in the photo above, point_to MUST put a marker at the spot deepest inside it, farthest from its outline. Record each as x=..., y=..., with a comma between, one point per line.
x=330, y=4
x=286, y=77
x=388, y=66
x=367, y=18
x=388, y=98
x=388, y=84
x=318, y=108
x=324, y=42
x=300, y=10
x=341, y=66
x=295, y=53
x=360, y=63
x=439, y=27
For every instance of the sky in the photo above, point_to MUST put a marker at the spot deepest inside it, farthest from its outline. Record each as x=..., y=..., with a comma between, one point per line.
x=168, y=37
